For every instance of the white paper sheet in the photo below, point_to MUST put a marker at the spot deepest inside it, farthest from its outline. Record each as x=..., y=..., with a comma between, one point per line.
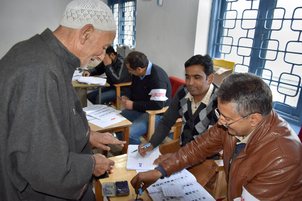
x=103, y=115
x=247, y=196
x=92, y=80
x=191, y=192
x=181, y=186
x=179, y=178
x=77, y=74
x=136, y=162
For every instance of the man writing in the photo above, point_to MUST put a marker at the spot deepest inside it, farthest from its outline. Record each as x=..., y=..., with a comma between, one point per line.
x=112, y=66
x=45, y=138
x=262, y=154
x=194, y=103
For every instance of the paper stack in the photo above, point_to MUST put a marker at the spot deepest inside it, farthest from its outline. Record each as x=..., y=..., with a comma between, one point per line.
x=103, y=115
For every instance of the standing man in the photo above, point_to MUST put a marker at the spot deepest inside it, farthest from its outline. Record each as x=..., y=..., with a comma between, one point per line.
x=112, y=66
x=261, y=153
x=45, y=139
x=194, y=103
x=150, y=90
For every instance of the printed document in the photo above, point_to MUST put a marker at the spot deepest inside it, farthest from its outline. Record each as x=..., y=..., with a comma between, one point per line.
x=103, y=115
x=181, y=186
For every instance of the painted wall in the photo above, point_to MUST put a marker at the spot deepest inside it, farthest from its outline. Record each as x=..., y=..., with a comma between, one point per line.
x=167, y=33
x=20, y=20
x=202, y=26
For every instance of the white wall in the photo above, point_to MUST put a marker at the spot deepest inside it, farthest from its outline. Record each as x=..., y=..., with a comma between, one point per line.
x=203, y=26
x=167, y=34
x=20, y=19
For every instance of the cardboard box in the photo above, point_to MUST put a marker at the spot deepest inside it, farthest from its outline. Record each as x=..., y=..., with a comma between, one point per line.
x=220, y=74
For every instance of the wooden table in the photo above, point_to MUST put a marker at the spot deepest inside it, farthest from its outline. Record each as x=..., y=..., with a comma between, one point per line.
x=120, y=174
x=81, y=89
x=123, y=126
x=203, y=173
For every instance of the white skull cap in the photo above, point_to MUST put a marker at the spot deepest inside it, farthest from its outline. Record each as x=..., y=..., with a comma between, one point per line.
x=78, y=13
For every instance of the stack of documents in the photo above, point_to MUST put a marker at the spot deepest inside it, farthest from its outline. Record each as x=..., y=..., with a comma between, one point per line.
x=92, y=80
x=181, y=186
x=77, y=76
x=103, y=115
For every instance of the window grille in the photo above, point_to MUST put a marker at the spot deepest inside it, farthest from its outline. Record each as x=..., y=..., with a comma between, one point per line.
x=263, y=37
x=124, y=13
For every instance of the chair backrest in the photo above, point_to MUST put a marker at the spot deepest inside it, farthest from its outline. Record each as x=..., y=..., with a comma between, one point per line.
x=224, y=64
x=176, y=82
x=223, y=68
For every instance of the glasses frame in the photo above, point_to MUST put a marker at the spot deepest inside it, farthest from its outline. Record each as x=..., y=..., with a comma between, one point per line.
x=227, y=125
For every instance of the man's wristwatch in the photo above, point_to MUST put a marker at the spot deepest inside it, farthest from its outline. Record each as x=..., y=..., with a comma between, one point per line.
x=162, y=171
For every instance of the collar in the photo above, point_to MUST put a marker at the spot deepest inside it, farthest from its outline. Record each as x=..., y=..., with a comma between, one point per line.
x=61, y=51
x=244, y=139
x=206, y=99
x=148, y=71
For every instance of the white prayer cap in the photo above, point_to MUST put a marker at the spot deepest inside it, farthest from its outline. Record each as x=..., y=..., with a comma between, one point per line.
x=78, y=13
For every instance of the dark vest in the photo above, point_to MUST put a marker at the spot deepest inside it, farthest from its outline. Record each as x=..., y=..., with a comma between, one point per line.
x=197, y=123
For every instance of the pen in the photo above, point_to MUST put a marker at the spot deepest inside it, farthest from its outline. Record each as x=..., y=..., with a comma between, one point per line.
x=140, y=190
x=144, y=147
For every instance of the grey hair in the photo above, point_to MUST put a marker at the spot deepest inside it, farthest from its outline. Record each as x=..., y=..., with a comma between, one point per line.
x=249, y=92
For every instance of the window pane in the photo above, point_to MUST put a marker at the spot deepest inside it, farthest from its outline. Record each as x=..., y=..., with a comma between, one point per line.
x=264, y=37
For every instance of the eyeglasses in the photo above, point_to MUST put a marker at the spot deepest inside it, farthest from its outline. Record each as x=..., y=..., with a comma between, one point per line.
x=227, y=125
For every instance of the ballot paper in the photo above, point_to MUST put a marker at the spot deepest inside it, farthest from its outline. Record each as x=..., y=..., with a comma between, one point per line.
x=136, y=162
x=192, y=192
x=99, y=111
x=103, y=115
x=92, y=80
x=179, y=178
x=181, y=186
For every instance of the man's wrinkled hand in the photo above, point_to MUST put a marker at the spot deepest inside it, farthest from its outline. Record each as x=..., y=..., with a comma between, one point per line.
x=101, y=140
x=102, y=165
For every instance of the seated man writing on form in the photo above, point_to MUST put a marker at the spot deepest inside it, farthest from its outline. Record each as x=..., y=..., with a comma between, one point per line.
x=112, y=66
x=150, y=90
x=262, y=154
x=194, y=103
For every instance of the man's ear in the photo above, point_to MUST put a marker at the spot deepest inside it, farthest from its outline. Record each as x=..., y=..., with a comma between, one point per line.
x=210, y=78
x=85, y=33
x=112, y=55
x=255, y=118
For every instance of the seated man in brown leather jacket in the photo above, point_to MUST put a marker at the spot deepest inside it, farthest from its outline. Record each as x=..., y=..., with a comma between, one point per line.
x=262, y=154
